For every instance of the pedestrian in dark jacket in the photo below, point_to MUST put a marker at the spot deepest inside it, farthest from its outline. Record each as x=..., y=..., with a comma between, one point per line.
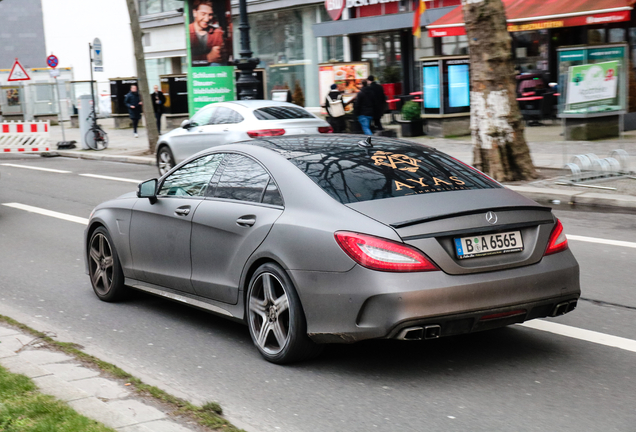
x=380, y=102
x=335, y=106
x=133, y=102
x=363, y=107
x=158, y=101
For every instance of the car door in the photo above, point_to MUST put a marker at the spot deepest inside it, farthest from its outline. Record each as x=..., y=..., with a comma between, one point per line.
x=196, y=136
x=226, y=126
x=228, y=226
x=160, y=231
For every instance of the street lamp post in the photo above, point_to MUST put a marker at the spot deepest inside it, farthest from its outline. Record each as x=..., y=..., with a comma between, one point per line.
x=247, y=85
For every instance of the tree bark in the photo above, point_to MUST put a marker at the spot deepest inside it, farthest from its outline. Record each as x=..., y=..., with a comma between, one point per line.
x=142, y=78
x=499, y=145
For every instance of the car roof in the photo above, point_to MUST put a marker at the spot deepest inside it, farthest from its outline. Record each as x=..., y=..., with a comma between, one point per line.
x=330, y=143
x=256, y=104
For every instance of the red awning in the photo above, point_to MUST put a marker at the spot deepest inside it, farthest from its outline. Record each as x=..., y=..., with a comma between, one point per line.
x=526, y=15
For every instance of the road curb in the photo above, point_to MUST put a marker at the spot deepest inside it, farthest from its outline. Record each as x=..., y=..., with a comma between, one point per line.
x=89, y=155
x=547, y=195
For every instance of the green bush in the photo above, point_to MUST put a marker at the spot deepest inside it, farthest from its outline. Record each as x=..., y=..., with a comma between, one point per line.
x=411, y=111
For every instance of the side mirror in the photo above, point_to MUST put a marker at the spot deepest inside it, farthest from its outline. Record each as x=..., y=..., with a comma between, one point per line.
x=148, y=189
x=186, y=124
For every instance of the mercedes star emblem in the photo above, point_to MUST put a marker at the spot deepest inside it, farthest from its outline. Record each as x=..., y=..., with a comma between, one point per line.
x=491, y=217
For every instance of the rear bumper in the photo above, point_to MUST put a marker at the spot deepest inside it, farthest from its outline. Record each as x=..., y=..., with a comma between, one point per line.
x=364, y=304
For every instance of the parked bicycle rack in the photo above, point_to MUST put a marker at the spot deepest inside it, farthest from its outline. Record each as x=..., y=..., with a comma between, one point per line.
x=589, y=167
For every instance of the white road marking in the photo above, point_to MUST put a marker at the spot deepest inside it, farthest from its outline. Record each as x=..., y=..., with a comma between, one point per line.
x=601, y=241
x=45, y=212
x=97, y=176
x=36, y=168
x=581, y=334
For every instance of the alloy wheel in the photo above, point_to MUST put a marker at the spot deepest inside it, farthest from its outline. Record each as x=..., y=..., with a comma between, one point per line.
x=269, y=313
x=164, y=161
x=101, y=264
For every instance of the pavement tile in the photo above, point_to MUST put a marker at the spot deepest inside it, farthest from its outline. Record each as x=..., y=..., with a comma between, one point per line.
x=43, y=357
x=59, y=388
x=16, y=364
x=71, y=372
x=15, y=342
x=8, y=331
x=6, y=353
x=138, y=411
x=94, y=408
x=102, y=388
x=156, y=426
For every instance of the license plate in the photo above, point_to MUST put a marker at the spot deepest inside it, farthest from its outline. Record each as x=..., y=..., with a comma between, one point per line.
x=488, y=244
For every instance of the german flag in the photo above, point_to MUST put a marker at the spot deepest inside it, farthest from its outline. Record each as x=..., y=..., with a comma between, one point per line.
x=420, y=7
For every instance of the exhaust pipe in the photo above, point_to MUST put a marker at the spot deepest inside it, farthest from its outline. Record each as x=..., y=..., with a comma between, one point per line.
x=411, y=333
x=572, y=306
x=419, y=333
x=560, y=309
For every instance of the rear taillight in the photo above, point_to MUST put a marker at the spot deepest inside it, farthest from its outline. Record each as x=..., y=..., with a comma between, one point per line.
x=558, y=241
x=385, y=255
x=266, y=133
x=325, y=129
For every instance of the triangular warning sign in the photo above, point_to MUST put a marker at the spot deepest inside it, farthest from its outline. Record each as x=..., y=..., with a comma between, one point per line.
x=18, y=73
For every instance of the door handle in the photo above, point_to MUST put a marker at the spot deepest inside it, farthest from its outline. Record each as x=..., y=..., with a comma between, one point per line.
x=246, y=221
x=183, y=211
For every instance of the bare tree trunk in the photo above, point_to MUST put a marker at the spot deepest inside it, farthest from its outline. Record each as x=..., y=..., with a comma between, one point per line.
x=142, y=78
x=499, y=145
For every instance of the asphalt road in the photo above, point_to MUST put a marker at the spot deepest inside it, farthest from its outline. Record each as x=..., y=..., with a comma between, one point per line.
x=517, y=378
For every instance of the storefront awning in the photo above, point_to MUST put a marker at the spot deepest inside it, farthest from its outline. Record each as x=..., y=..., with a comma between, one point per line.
x=377, y=24
x=524, y=15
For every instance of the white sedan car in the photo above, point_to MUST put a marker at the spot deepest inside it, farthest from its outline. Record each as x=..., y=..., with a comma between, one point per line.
x=228, y=122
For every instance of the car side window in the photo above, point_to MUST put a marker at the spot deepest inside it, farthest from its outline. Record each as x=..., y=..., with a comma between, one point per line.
x=272, y=194
x=243, y=179
x=204, y=116
x=225, y=115
x=191, y=179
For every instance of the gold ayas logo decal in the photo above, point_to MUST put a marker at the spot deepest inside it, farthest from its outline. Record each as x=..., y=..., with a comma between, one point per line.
x=402, y=162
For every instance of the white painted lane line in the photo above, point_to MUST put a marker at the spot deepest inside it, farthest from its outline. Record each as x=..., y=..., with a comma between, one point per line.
x=581, y=334
x=601, y=241
x=45, y=212
x=111, y=178
x=36, y=168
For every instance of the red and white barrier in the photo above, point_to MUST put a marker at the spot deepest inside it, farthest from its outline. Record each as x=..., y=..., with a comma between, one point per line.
x=26, y=137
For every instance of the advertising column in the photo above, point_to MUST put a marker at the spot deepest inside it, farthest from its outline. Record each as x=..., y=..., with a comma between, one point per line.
x=210, y=56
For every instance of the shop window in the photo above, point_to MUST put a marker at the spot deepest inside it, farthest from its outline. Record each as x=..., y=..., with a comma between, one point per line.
x=455, y=45
x=149, y=7
x=616, y=35
x=384, y=52
x=531, y=50
x=332, y=49
x=596, y=36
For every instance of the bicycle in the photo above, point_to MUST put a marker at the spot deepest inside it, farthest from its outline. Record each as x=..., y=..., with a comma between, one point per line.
x=95, y=138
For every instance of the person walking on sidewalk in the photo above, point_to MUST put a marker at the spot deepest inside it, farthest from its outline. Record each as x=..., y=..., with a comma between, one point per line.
x=133, y=102
x=335, y=106
x=363, y=107
x=158, y=101
x=379, y=102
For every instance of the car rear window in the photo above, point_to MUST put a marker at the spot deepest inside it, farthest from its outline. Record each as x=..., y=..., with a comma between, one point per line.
x=352, y=173
x=281, y=113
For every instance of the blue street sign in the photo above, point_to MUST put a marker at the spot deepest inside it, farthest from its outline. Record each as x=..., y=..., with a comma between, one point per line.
x=52, y=61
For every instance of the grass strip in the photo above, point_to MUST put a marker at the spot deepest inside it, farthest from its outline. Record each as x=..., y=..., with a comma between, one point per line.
x=24, y=409
x=208, y=415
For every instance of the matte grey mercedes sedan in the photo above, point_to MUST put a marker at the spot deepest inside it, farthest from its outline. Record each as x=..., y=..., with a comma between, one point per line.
x=335, y=238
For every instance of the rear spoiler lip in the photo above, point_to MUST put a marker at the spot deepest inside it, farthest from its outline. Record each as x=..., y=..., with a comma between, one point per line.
x=405, y=224
x=478, y=230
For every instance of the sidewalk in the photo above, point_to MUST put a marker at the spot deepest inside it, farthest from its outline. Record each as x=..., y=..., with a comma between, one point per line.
x=549, y=153
x=83, y=389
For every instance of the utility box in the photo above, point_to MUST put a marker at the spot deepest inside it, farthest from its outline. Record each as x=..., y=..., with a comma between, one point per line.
x=85, y=106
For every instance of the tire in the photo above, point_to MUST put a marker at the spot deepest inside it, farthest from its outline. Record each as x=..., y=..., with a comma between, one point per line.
x=96, y=139
x=275, y=317
x=104, y=268
x=165, y=160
